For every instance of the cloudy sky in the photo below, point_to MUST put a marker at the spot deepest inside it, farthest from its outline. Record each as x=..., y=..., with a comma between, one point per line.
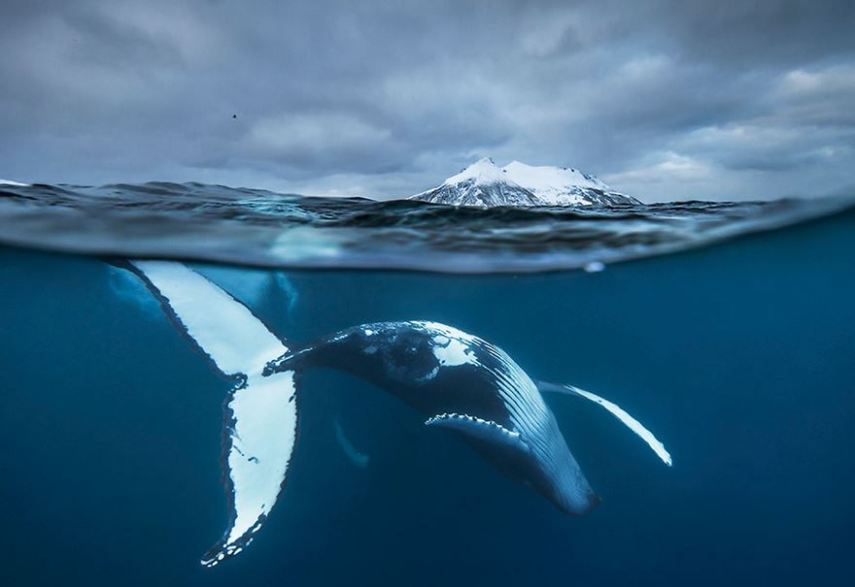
x=661, y=99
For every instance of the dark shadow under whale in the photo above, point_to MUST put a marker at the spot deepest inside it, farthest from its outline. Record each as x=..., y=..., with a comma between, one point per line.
x=458, y=381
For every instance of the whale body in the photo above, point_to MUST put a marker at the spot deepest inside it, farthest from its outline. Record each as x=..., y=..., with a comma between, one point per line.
x=457, y=381
x=463, y=383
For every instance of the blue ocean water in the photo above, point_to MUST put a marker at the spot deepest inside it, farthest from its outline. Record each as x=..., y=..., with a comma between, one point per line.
x=739, y=355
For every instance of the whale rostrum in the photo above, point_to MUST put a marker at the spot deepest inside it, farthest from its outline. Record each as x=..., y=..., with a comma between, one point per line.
x=457, y=381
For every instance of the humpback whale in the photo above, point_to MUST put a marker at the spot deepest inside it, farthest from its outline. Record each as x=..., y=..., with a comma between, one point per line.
x=457, y=381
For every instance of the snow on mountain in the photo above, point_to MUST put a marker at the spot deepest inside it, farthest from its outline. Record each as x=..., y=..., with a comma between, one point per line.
x=483, y=172
x=484, y=184
x=481, y=185
x=552, y=184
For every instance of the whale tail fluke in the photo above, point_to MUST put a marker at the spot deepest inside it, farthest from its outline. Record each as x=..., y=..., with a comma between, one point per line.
x=260, y=426
x=637, y=427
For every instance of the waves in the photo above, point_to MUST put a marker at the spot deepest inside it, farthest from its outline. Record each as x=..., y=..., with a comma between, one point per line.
x=194, y=221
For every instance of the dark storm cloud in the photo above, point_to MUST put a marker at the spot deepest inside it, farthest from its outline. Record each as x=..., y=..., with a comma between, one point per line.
x=663, y=99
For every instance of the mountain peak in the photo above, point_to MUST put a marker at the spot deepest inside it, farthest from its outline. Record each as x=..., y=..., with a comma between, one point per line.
x=483, y=172
x=484, y=184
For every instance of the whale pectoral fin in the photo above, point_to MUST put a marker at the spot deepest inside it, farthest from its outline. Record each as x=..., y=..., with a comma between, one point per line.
x=630, y=422
x=483, y=430
x=358, y=458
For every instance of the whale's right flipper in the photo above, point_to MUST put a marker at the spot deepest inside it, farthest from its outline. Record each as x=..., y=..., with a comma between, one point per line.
x=483, y=430
x=261, y=414
x=615, y=410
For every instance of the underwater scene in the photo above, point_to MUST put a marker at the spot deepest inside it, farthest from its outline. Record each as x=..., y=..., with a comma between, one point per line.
x=209, y=386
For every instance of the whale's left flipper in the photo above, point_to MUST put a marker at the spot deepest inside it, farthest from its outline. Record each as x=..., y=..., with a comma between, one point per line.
x=358, y=458
x=630, y=422
x=261, y=414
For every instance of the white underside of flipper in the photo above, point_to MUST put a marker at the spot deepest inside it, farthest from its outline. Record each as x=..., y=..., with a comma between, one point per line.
x=618, y=412
x=630, y=422
x=261, y=419
x=357, y=457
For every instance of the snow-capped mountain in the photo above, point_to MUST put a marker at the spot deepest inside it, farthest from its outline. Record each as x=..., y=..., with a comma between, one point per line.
x=483, y=184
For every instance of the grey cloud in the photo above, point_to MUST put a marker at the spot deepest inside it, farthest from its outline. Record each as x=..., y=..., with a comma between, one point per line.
x=664, y=99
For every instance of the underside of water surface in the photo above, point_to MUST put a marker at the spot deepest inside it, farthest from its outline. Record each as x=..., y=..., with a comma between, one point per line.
x=738, y=355
x=249, y=227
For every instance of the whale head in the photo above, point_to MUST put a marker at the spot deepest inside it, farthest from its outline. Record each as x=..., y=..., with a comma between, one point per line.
x=557, y=476
x=497, y=407
x=465, y=384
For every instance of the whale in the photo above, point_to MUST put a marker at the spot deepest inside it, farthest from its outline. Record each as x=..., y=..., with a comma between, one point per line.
x=458, y=382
